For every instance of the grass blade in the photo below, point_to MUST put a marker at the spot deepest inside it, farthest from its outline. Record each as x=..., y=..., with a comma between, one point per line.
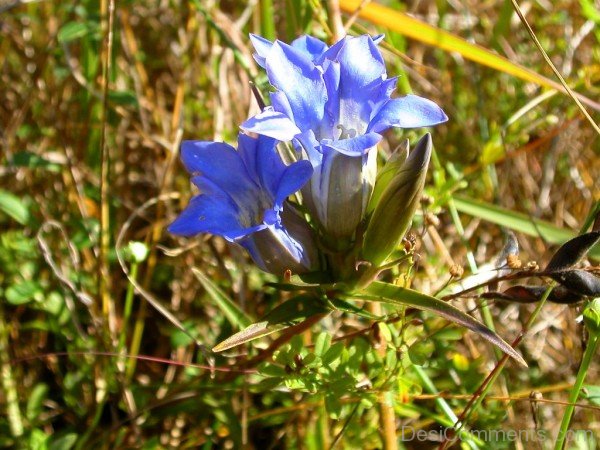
x=415, y=29
x=234, y=314
x=518, y=222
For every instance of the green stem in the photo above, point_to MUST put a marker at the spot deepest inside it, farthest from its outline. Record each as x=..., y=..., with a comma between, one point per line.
x=136, y=340
x=13, y=413
x=589, y=353
x=128, y=304
x=267, y=19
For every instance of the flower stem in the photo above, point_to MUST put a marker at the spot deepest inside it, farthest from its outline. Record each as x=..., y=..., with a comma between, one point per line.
x=574, y=395
x=13, y=413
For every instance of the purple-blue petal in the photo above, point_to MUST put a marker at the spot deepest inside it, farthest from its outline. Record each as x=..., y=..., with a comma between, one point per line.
x=410, y=111
x=356, y=146
x=280, y=103
x=271, y=123
x=361, y=62
x=216, y=162
x=310, y=46
x=331, y=76
x=362, y=70
x=262, y=47
x=293, y=73
x=293, y=178
x=207, y=213
x=269, y=167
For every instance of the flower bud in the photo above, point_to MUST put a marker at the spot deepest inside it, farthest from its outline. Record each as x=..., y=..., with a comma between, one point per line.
x=387, y=172
x=277, y=252
x=397, y=204
x=591, y=317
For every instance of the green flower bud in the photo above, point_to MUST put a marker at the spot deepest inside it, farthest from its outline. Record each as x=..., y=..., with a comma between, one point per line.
x=396, y=206
x=387, y=172
x=591, y=317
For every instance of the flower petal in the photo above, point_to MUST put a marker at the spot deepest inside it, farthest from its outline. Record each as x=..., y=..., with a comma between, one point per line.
x=410, y=111
x=273, y=124
x=293, y=178
x=293, y=73
x=210, y=212
x=216, y=162
x=262, y=47
x=280, y=103
x=362, y=70
x=356, y=146
x=331, y=76
x=310, y=46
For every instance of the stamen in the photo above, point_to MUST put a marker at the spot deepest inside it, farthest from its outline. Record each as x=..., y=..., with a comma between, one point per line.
x=346, y=133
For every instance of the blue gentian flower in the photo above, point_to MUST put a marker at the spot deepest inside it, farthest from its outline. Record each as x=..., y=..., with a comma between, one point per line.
x=334, y=103
x=242, y=198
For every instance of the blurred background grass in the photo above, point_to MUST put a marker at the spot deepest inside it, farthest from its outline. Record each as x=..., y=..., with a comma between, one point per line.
x=182, y=70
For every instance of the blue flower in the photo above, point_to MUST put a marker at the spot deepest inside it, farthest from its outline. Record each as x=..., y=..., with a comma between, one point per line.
x=333, y=103
x=242, y=197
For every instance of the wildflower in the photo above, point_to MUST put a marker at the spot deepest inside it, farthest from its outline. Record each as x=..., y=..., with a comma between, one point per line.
x=333, y=103
x=242, y=198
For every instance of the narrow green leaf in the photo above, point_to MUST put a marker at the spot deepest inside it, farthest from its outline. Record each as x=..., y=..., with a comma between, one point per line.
x=71, y=31
x=234, y=314
x=250, y=333
x=399, y=296
x=518, y=222
x=33, y=161
x=283, y=316
x=35, y=401
x=13, y=206
x=64, y=442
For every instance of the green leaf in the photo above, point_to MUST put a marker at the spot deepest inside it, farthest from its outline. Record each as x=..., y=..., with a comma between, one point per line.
x=126, y=98
x=233, y=312
x=334, y=352
x=24, y=292
x=592, y=394
x=38, y=440
x=518, y=222
x=33, y=161
x=71, y=31
x=399, y=296
x=420, y=352
x=13, y=206
x=34, y=403
x=322, y=343
x=180, y=338
x=64, y=442
x=271, y=370
x=287, y=314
